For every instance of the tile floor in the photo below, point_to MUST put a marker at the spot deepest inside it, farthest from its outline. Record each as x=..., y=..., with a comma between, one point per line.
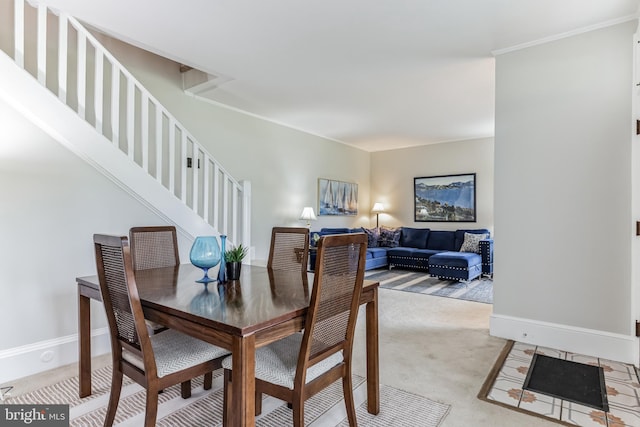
x=621, y=381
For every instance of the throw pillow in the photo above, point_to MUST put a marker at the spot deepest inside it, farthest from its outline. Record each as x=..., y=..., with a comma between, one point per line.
x=373, y=235
x=471, y=242
x=389, y=237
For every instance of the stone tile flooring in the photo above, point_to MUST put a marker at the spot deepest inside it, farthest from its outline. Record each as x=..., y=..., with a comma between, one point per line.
x=621, y=381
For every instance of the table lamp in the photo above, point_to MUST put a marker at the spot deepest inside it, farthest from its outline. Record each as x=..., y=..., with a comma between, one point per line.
x=377, y=208
x=308, y=215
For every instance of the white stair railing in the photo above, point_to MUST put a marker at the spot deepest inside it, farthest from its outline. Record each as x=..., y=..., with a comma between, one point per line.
x=106, y=95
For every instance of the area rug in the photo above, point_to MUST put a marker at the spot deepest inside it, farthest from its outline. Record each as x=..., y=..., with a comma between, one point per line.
x=505, y=386
x=204, y=408
x=478, y=290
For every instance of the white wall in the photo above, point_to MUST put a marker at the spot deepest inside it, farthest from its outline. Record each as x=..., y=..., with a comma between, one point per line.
x=563, y=194
x=562, y=197
x=392, y=174
x=53, y=202
x=635, y=186
x=282, y=164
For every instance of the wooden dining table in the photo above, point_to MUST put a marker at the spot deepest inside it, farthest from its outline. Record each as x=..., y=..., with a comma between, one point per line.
x=242, y=315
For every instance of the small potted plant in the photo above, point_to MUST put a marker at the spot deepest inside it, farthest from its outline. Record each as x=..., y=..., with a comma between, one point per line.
x=233, y=258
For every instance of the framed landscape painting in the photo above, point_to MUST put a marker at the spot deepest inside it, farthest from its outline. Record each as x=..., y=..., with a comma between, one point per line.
x=337, y=197
x=445, y=198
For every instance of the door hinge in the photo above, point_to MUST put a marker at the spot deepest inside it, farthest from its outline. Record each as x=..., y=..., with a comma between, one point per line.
x=637, y=328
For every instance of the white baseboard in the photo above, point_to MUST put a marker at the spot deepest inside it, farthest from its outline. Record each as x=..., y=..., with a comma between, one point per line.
x=590, y=342
x=19, y=362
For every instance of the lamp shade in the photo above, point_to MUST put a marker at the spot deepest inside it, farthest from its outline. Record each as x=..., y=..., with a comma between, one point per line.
x=308, y=214
x=377, y=207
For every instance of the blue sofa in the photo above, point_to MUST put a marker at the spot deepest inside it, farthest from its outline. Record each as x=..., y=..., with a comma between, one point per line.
x=438, y=252
x=376, y=257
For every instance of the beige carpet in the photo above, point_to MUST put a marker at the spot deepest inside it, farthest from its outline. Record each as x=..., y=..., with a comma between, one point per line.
x=204, y=408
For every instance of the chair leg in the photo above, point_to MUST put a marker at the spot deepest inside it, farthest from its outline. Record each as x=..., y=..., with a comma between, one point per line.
x=298, y=412
x=114, y=396
x=226, y=398
x=258, y=403
x=151, y=410
x=347, y=389
x=185, y=389
x=208, y=380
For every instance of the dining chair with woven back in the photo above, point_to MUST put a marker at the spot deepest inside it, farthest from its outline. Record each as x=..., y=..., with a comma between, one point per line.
x=299, y=366
x=154, y=361
x=157, y=247
x=154, y=247
x=289, y=249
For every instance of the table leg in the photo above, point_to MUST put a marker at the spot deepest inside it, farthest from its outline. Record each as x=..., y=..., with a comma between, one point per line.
x=243, y=391
x=84, y=344
x=373, y=365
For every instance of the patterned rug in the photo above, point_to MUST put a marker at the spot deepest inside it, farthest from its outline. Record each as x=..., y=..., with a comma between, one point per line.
x=204, y=408
x=478, y=290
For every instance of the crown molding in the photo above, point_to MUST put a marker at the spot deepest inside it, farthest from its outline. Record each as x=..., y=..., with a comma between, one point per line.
x=571, y=33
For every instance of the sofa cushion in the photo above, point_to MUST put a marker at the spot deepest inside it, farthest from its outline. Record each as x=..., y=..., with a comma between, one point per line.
x=414, y=237
x=373, y=236
x=441, y=240
x=424, y=253
x=325, y=231
x=389, y=237
x=375, y=263
x=411, y=252
x=400, y=251
x=471, y=242
x=377, y=252
x=460, y=236
x=455, y=259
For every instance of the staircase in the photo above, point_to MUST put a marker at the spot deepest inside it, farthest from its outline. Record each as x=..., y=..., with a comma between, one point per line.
x=58, y=75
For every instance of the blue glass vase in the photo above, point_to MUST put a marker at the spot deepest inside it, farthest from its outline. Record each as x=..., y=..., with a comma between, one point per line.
x=222, y=273
x=205, y=254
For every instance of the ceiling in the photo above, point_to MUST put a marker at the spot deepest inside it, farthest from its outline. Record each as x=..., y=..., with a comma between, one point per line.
x=377, y=75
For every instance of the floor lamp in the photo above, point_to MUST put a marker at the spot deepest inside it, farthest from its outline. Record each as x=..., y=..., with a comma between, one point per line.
x=377, y=208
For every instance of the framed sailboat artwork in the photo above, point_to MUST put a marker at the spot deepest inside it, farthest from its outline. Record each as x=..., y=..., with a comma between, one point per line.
x=337, y=197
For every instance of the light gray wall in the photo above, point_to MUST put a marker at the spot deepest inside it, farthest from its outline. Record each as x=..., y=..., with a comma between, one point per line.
x=562, y=188
x=53, y=202
x=563, y=181
x=282, y=164
x=392, y=174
